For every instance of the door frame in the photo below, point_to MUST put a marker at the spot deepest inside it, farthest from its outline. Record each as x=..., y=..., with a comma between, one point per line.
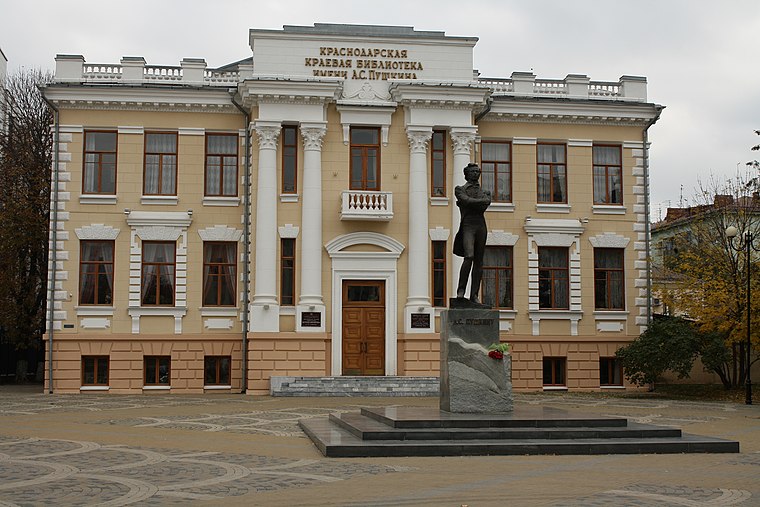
x=365, y=265
x=378, y=305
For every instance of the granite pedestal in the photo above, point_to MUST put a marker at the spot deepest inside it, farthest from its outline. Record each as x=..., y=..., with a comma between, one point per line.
x=471, y=381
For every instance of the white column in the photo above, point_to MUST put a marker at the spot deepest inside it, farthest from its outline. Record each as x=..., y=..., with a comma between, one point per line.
x=461, y=140
x=265, y=312
x=418, y=247
x=310, y=299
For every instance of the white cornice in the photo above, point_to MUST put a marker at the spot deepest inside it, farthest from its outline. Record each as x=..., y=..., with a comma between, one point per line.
x=280, y=89
x=121, y=97
x=562, y=111
x=436, y=94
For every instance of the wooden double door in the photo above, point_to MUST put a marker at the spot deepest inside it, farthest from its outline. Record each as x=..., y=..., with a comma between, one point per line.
x=363, y=327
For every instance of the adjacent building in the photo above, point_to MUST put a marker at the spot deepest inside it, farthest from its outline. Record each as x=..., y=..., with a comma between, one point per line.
x=292, y=214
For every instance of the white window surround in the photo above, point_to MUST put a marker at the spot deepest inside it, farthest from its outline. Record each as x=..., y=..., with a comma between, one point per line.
x=439, y=201
x=498, y=237
x=289, y=197
x=611, y=315
x=552, y=208
x=612, y=387
x=554, y=233
x=363, y=116
x=161, y=200
x=94, y=388
x=163, y=311
x=608, y=209
x=157, y=388
x=221, y=201
x=158, y=226
x=353, y=265
x=502, y=207
x=555, y=388
x=439, y=234
x=219, y=311
x=94, y=311
x=288, y=231
x=97, y=232
x=217, y=388
x=220, y=233
x=609, y=240
x=97, y=199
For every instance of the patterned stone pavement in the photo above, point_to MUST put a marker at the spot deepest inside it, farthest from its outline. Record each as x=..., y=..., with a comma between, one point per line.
x=46, y=472
x=243, y=450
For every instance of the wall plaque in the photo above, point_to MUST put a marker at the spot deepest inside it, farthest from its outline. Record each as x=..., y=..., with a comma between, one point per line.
x=311, y=319
x=420, y=321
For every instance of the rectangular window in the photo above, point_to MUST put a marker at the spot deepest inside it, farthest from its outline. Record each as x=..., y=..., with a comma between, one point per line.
x=287, y=271
x=99, y=163
x=439, y=273
x=554, y=371
x=497, y=277
x=158, y=273
x=496, y=170
x=221, y=165
x=94, y=370
x=552, y=173
x=365, y=158
x=289, y=159
x=216, y=370
x=219, y=273
x=160, y=164
x=96, y=272
x=610, y=371
x=157, y=370
x=608, y=175
x=438, y=164
x=553, y=278
x=609, y=283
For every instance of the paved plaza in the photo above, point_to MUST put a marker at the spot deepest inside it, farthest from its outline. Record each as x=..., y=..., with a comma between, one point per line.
x=245, y=450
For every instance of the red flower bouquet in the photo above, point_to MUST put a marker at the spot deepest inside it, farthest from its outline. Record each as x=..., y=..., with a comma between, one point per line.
x=497, y=350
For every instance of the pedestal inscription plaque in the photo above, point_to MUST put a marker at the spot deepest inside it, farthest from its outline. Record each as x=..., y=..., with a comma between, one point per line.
x=471, y=381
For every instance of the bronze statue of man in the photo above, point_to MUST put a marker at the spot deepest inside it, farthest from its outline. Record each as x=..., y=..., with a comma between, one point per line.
x=470, y=241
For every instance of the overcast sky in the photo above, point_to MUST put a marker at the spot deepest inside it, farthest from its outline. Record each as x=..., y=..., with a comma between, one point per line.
x=700, y=57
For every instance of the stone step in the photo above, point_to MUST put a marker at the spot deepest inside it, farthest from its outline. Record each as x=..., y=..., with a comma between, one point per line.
x=354, y=386
x=334, y=441
x=367, y=428
x=421, y=431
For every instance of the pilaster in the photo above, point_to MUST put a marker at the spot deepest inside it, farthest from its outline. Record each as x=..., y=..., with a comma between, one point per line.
x=311, y=298
x=265, y=314
x=418, y=297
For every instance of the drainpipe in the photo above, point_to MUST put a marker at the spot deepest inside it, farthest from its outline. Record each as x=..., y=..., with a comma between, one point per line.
x=53, y=241
x=246, y=240
x=647, y=226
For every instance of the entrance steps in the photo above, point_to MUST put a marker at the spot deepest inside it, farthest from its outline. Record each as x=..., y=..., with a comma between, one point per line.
x=354, y=386
x=420, y=431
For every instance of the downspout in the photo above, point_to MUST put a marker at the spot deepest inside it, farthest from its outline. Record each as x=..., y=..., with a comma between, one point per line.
x=246, y=240
x=647, y=225
x=53, y=251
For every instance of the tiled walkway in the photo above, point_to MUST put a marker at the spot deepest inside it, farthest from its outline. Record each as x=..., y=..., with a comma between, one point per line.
x=234, y=449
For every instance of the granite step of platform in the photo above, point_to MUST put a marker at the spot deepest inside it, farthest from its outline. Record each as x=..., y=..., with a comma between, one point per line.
x=367, y=428
x=410, y=431
x=354, y=386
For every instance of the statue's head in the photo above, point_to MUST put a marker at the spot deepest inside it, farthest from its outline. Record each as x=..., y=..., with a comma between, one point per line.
x=472, y=172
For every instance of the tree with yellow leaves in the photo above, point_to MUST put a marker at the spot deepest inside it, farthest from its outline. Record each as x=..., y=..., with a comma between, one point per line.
x=703, y=278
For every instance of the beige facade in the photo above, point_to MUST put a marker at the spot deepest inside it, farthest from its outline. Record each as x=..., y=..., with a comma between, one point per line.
x=331, y=84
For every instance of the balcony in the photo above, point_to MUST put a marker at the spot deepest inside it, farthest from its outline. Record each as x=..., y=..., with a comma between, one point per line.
x=366, y=205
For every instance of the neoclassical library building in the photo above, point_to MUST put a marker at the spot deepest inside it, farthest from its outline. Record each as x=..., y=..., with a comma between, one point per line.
x=292, y=214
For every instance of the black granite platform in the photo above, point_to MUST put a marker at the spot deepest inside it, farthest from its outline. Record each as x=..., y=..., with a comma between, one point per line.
x=414, y=431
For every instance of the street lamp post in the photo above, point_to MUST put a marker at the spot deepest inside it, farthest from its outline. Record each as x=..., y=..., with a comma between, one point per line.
x=745, y=243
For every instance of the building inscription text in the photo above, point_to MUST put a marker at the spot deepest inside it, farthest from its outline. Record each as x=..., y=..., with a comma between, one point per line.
x=363, y=63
